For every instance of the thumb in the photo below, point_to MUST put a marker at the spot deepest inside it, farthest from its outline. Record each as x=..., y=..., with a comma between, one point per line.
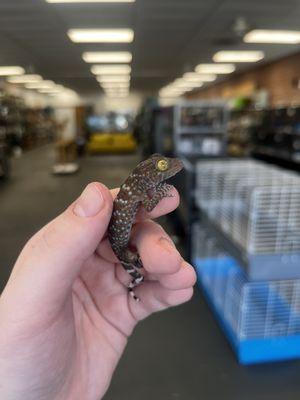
x=52, y=259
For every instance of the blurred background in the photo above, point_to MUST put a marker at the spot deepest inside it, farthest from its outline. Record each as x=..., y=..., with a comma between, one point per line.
x=88, y=88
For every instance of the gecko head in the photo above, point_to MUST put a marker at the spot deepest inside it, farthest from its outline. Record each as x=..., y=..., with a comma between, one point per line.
x=159, y=168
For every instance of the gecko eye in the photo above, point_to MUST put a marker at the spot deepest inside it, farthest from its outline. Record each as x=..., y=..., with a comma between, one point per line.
x=162, y=165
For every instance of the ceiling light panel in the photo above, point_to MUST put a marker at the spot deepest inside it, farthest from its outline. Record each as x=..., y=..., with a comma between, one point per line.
x=115, y=95
x=40, y=85
x=24, y=79
x=90, y=1
x=107, y=57
x=272, y=36
x=115, y=85
x=194, y=77
x=238, y=56
x=101, y=35
x=215, y=68
x=117, y=91
x=187, y=85
x=110, y=69
x=10, y=71
x=50, y=91
x=170, y=92
x=113, y=78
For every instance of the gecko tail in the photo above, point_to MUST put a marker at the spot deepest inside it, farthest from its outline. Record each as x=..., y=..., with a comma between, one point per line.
x=138, y=279
x=135, y=298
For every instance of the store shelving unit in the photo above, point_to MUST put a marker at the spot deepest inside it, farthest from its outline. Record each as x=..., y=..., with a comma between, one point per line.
x=199, y=132
x=200, y=128
x=246, y=249
x=277, y=135
x=241, y=128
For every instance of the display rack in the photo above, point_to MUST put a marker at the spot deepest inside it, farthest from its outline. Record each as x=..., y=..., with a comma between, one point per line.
x=249, y=218
x=257, y=206
x=199, y=132
x=22, y=127
x=200, y=128
x=260, y=319
x=277, y=134
x=241, y=126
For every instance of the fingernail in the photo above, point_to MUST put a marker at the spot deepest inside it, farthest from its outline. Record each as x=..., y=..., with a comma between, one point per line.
x=167, y=244
x=89, y=203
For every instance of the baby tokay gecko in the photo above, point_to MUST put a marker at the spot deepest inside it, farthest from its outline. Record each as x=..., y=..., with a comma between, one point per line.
x=145, y=186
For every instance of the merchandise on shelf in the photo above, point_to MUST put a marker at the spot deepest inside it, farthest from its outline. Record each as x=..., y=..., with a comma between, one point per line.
x=200, y=128
x=277, y=135
x=242, y=125
x=23, y=127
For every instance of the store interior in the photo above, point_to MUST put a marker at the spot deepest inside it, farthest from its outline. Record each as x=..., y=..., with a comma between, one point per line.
x=89, y=88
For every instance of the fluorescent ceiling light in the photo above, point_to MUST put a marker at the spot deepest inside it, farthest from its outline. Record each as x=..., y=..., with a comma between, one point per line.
x=215, y=68
x=10, y=71
x=170, y=92
x=272, y=36
x=40, y=85
x=117, y=92
x=115, y=85
x=184, y=85
x=101, y=35
x=90, y=1
x=24, y=79
x=170, y=95
x=238, y=56
x=107, y=57
x=116, y=95
x=50, y=91
x=113, y=78
x=194, y=77
x=110, y=69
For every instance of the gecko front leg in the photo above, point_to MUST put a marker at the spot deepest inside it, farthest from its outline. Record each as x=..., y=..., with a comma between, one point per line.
x=160, y=192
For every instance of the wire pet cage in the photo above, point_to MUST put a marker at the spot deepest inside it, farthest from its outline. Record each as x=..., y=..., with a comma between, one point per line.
x=258, y=207
x=260, y=319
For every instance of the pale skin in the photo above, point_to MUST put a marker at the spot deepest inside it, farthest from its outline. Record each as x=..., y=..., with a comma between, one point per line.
x=65, y=313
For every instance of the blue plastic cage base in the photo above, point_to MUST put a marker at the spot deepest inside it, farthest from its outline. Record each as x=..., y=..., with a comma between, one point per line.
x=250, y=351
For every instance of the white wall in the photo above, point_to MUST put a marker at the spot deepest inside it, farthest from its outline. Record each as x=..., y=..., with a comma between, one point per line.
x=103, y=104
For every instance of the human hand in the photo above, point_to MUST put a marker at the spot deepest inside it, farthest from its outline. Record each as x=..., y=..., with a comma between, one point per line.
x=66, y=314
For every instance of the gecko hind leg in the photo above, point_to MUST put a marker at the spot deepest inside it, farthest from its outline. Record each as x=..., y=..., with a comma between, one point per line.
x=137, y=280
x=131, y=268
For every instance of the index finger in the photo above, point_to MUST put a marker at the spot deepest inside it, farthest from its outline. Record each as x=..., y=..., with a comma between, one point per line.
x=165, y=206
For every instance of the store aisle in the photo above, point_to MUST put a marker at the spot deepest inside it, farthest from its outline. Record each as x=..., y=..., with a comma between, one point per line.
x=33, y=196
x=178, y=354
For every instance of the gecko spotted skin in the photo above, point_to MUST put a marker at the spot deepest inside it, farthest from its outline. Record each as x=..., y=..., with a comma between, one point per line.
x=145, y=187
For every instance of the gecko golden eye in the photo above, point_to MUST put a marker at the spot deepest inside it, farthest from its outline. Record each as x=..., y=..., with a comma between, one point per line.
x=162, y=165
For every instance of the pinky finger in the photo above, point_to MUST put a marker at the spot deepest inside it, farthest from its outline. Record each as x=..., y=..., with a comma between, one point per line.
x=154, y=297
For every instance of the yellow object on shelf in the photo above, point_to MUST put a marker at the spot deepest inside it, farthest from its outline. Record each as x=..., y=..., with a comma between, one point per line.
x=111, y=143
